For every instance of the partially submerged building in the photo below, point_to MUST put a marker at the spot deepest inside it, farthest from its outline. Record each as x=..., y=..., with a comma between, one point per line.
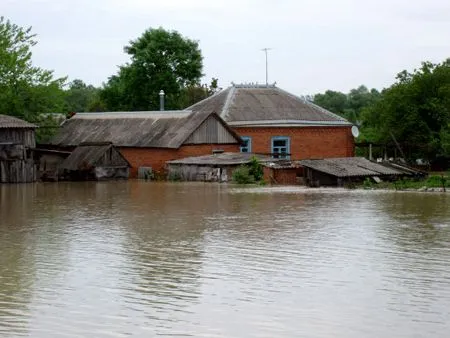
x=274, y=122
x=341, y=171
x=95, y=161
x=147, y=140
x=17, y=139
x=210, y=168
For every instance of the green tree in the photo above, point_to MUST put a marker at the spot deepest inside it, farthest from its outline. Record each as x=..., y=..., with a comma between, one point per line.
x=80, y=97
x=25, y=90
x=160, y=60
x=416, y=110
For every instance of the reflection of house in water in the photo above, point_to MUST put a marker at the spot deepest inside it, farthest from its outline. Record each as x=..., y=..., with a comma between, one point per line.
x=17, y=138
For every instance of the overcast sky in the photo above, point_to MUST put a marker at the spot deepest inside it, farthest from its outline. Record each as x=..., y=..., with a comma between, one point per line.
x=316, y=44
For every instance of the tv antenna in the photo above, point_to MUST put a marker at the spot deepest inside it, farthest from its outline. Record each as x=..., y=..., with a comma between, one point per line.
x=267, y=74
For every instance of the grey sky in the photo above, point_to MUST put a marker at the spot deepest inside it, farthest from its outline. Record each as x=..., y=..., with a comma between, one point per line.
x=317, y=44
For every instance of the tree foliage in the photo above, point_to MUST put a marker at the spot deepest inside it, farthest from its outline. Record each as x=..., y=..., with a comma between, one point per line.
x=25, y=90
x=160, y=60
x=416, y=110
x=80, y=97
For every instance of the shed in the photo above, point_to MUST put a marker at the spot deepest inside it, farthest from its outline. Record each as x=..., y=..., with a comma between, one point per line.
x=17, y=138
x=283, y=173
x=95, y=161
x=339, y=171
x=210, y=168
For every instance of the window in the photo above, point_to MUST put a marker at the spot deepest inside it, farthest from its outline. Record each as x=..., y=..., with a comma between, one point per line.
x=247, y=146
x=280, y=147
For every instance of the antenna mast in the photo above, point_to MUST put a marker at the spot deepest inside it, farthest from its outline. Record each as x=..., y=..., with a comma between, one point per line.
x=267, y=74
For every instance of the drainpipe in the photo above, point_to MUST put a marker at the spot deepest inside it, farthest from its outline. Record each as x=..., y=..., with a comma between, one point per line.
x=161, y=100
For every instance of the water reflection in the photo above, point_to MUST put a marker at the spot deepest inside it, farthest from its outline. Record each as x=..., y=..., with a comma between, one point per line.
x=145, y=259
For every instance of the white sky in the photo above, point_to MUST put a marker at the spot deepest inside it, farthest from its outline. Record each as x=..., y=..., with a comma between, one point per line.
x=317, y=44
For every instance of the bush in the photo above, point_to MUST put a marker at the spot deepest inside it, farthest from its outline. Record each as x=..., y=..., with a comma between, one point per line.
x=256, y=169
x=242, y=175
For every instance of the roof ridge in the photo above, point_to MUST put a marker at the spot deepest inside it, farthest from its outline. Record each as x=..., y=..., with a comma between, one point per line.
x=230, y=96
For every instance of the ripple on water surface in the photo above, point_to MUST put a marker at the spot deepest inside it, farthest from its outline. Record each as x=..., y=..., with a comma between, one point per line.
x=141, y=259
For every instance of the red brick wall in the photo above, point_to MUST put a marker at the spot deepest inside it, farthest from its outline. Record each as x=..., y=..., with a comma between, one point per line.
x=305, y=142
x=157, y=157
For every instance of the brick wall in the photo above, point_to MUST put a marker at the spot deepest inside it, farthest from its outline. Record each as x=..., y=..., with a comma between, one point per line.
x=305, y=142
x=157, y=157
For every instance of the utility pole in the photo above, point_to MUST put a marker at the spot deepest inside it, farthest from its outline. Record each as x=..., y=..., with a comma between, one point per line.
x=267, y=74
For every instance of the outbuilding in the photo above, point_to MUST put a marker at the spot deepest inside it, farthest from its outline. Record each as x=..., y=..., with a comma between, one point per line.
x=17, y=139
x=95, y=161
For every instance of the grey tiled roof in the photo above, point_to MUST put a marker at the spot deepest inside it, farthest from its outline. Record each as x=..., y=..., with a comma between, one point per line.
x=158, y=129
x=7, y=121
x=350, y=167
x=221, y=159
x=266, y=105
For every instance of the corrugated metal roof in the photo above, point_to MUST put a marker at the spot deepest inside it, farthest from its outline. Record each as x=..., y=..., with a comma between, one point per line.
x=7, y=121
x=221, y=159
x=349, y=167
x=133, y=129
x=248, y=105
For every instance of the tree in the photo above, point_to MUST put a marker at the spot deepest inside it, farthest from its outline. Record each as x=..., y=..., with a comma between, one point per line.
x=416, y=110
x=160, y=60
x=82, y=98
x=25, y=90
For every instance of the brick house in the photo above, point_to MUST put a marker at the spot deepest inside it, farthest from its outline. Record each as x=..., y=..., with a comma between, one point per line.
x=274, y=122
x=150, y=139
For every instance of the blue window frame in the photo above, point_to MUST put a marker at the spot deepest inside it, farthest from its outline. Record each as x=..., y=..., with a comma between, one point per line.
x=281, y=147
x=247, y=146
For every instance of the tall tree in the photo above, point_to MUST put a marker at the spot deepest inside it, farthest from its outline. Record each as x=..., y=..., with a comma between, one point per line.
x=416, y=110
x=80, y=97
x=160, y=60
x=25, y=90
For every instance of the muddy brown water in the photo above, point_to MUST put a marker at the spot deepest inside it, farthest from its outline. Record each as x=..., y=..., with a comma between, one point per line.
x=140, y=259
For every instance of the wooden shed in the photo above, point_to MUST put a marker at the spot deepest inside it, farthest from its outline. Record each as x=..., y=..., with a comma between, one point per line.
x=210, y=168
x=340, y=171
x=95, y=161
x=17, y=138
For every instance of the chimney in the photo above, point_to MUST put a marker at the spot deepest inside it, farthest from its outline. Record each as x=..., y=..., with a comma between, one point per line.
x=161, y=100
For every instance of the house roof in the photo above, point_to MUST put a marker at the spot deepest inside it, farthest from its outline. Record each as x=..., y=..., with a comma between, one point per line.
x=221, y=159
x=155, y=129
x=267, y=105
x=350, y=167
x=7, y=121
x=86, y=156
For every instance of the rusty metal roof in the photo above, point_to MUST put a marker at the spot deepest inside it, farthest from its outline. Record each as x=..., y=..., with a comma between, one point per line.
x=7, y=121
x=258, y=105
x=350, y=167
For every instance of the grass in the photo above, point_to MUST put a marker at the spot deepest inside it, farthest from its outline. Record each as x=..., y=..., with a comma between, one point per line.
x=432, y=181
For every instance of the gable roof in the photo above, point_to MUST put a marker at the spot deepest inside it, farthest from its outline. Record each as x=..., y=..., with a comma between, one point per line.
x=267, y=105
x=7, y=121
x=86, y=156
x=154, y=129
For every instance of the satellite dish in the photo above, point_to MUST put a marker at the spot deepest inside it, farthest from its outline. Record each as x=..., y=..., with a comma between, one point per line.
x=355, y=131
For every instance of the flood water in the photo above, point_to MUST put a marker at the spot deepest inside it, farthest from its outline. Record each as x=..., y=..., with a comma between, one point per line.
x=141, y=259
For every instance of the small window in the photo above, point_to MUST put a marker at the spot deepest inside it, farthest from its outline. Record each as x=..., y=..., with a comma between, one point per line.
x=246, y=147
x=280, y=147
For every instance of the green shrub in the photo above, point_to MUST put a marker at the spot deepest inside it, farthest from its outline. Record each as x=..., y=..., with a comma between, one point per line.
x=242, y=175
x=256, y=169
